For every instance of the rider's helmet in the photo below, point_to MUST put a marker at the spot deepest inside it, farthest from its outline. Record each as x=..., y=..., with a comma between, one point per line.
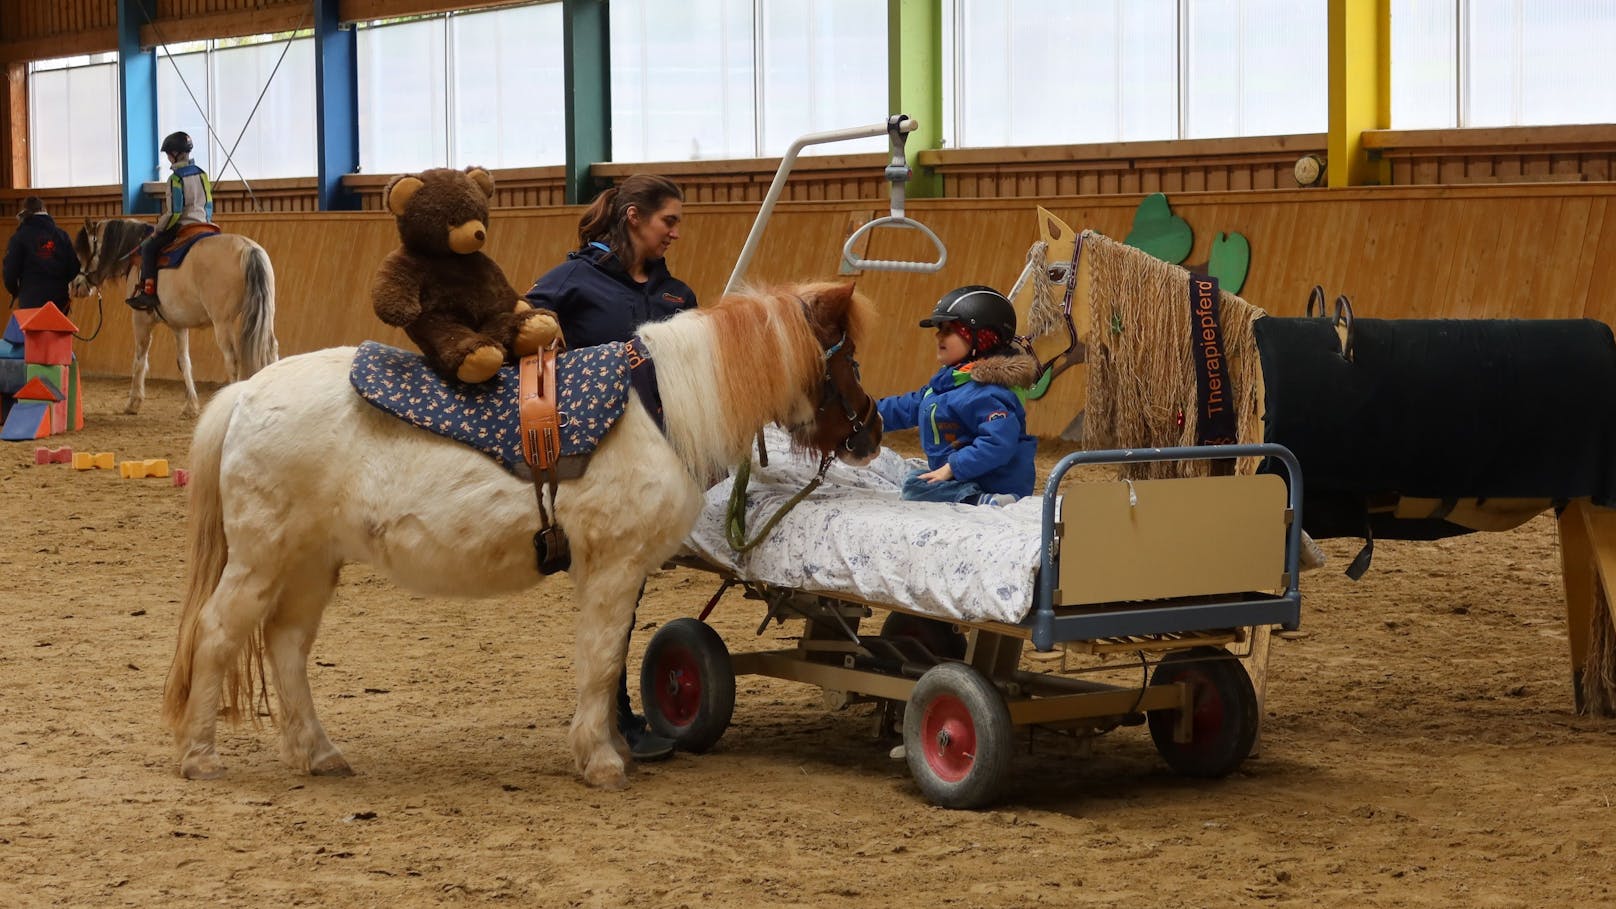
x=987, y=315
x=177, y=144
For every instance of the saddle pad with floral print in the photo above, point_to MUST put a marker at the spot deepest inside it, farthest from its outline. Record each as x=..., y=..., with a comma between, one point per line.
x=594, y=391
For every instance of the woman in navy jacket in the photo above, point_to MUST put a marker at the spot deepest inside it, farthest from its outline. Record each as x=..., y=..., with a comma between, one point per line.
x=616, y=281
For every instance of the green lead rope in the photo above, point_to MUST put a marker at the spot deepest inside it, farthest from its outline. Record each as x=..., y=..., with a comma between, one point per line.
x=735, y=522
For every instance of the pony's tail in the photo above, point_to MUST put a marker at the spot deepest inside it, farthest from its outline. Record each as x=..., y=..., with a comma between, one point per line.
x=209, y=549
x=258, y=346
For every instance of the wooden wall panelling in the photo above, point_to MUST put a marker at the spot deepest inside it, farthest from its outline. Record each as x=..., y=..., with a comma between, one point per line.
x=1544, y=250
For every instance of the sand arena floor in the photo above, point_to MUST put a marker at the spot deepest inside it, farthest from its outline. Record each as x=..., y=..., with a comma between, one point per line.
x=1419, y=750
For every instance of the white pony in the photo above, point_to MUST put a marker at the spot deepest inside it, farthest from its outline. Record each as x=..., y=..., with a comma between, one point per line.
x=294, y=475
x=224, y=281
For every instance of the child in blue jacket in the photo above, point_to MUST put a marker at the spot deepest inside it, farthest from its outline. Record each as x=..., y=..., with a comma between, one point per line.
x=973, y=425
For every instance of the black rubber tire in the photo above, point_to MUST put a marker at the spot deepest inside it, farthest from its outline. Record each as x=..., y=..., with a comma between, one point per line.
x=687, y=684
x=935, y=635
x=1225, y=718
x=957, y=737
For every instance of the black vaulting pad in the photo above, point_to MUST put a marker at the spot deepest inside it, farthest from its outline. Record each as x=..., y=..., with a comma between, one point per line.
x=1440, y=408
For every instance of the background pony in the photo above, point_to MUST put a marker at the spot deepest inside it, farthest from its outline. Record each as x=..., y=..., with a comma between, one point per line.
x=294, y=475
x=225, y=281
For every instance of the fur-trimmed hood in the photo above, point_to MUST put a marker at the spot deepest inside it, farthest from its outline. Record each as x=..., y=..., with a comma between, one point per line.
x=1013, y=370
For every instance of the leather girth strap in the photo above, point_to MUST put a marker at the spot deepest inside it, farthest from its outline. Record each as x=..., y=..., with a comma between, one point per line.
x=541, y=449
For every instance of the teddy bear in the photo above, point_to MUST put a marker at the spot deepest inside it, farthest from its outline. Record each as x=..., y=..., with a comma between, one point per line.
x=450, y=298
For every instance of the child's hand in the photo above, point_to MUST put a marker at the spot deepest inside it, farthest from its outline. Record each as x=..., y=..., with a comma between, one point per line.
x=945, y=472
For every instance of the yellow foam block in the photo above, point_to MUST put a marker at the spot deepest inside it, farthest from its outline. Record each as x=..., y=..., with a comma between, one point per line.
x=83, y=460
x=140, y=470
x=102, y=460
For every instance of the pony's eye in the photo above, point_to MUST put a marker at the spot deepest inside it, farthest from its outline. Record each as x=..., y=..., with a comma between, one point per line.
x=1058, y=273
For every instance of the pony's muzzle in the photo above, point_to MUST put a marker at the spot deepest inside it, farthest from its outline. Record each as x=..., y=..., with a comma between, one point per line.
x=861, y=447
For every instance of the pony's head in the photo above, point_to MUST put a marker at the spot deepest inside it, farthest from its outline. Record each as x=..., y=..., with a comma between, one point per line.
x=846, y=421
x=784, y=354
x=106, y=250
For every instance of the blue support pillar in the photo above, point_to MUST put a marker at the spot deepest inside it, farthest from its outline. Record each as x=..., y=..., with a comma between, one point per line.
x=336, y=91
x=587, y=62
x=137, y=93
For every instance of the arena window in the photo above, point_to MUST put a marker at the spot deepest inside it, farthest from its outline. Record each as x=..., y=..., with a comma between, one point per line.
x=73, y=121
x=1044, y=72
x=1472, y=63
x=225, y=78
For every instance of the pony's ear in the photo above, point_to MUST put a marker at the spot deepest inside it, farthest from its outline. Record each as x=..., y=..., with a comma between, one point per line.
x=483, y=179
x=399, y=191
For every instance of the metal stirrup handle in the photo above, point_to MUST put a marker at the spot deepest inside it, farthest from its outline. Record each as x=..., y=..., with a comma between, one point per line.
x=897, y=174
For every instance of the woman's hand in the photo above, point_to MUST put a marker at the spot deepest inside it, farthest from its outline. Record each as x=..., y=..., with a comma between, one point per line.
x=945, y=472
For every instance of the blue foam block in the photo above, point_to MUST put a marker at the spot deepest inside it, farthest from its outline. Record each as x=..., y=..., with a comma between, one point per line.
x=13, y=375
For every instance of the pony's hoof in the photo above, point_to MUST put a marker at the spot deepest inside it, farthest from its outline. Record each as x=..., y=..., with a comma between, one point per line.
x=334, y=765
x=202, y=767
x=614, y=781
x=132, y=407
x=190, y=410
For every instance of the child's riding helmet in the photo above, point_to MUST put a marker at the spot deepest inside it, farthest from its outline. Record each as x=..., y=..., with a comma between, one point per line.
x=176, y=143
x=986, y=312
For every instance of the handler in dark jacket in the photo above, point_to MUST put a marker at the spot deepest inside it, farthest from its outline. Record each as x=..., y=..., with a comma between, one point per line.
x=612, y=284
x=40, y=260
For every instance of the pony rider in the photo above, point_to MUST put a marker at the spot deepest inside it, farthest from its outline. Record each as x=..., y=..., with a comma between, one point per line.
x=189, y=201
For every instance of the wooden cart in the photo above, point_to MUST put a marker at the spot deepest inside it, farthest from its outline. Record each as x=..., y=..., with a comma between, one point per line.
x=1177, y=571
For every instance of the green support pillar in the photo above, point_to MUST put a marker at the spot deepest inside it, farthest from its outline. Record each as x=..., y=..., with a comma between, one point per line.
x=1360, y=42
x=587, y=60
x=915, y=81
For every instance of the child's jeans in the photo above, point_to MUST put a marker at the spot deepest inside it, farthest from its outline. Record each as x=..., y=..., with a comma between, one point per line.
x=917, y=490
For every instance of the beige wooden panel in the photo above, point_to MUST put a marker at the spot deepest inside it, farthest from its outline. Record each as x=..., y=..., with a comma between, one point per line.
x=1153, y=539
x=1503, y=250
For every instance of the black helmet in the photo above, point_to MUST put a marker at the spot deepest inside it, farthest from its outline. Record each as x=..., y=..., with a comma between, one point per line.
x=978, y=306
x=177, y=144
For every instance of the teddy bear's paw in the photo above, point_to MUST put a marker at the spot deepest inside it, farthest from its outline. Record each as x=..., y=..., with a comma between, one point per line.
x=481, y=364
x=536, y=333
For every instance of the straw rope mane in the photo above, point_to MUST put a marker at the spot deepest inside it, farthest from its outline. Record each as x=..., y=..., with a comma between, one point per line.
x=1142, y=385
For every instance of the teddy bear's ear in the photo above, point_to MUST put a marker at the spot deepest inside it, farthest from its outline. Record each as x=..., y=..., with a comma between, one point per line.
x=399, y=192
x=483, y=179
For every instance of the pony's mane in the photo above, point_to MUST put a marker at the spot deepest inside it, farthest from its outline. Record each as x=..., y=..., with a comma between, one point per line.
x=119, y=237
x=753, y=358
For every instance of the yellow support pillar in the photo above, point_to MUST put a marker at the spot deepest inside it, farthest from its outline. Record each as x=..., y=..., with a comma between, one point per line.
x=1360, y=88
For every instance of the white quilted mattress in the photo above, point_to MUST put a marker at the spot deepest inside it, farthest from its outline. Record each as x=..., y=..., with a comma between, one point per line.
x=854, y=536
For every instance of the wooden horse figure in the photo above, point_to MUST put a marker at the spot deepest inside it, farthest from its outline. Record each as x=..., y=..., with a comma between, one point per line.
x=1406, y=429
x=225, y=281
x=276, y=509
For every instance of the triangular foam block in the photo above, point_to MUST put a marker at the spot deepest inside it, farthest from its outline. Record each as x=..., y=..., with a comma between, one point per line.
x=27, y=420
x=38, y=389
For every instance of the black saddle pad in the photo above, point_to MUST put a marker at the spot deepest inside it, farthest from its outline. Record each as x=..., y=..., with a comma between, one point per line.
x=1444, y=408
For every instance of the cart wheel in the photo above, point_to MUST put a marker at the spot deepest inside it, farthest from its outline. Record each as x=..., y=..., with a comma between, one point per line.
x=687, y=684
x=937, y=636
x=1224, y=722
x=957, y=736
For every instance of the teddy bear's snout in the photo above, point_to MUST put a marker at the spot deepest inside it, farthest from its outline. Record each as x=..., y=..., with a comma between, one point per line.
x=468, y=237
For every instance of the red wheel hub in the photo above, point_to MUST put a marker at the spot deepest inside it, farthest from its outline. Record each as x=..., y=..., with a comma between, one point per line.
x=1206, y=712
x=678, y=686
x=949, y=738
